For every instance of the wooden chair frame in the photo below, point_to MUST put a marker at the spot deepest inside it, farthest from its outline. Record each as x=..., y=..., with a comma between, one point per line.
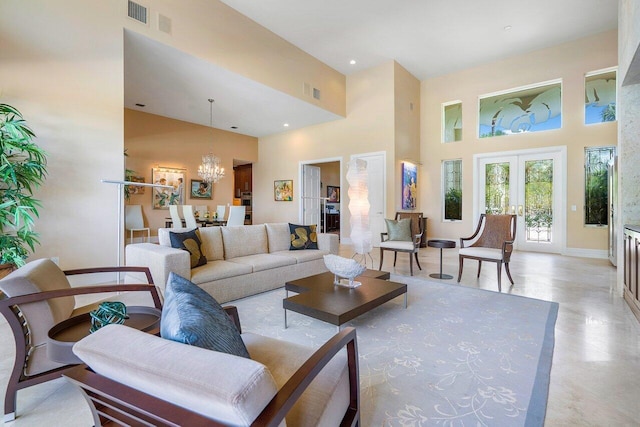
x=10, y=309
x=114, y=403
x=417, y=238
x=507, y=250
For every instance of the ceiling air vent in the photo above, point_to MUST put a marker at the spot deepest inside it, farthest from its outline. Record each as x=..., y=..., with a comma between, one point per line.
x=137, y=12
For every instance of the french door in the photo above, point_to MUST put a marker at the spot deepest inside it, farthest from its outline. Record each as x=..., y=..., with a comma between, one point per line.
x=530, y=185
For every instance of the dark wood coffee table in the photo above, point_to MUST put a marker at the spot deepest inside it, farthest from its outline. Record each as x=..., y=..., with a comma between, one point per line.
x=319, y=298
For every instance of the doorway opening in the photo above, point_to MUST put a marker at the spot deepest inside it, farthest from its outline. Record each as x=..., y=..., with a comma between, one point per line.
x=321, y=194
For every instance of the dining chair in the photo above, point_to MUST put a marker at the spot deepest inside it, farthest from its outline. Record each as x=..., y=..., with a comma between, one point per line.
x=221, y=210
x=134, y=222
x=175, y=216
x=189, y=217
x=492, y=241
x=236, y=215
x=201, y=209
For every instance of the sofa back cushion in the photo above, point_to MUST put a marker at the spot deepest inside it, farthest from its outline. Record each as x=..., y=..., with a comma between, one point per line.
x=37, y=276
x=244, y=240
x=279, y=237
x=212, y=246
x=230, y=389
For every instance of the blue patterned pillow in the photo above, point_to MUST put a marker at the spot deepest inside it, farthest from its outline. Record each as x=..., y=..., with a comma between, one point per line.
x=192, y=316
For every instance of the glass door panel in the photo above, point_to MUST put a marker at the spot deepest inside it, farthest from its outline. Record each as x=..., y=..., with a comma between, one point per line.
x=497, y=194
x=538, y=200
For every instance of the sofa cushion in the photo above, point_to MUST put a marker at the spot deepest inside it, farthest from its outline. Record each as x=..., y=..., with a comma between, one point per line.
x=192, y=316
x=303, y=237
x=191, y=242
x=326, y=399
x=302, y=256
x=245, y=240
x=212, y=243
x=261, y=262
x=216, y=270
x=279, y=236
x=489, y=253
x=230, y=389
x=399, y=230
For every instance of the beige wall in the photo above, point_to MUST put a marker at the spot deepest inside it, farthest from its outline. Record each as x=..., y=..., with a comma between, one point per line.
x=61, y=64
x=211, y=30
x=153, y=141
x=368, y=127
x=568, y=62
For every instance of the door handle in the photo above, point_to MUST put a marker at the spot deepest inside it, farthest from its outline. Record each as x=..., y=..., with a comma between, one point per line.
x=520, y=210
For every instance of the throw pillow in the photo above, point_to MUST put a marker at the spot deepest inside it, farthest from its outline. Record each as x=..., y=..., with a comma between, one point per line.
x=399, y=230
x=303, y=237
x=191, y=242
x=192, y=316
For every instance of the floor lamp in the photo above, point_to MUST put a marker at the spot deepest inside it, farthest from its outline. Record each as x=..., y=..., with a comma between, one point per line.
x=121, y=185
x=358, y=179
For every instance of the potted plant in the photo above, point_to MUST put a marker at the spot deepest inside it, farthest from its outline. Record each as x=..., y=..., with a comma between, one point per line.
x=22, y=170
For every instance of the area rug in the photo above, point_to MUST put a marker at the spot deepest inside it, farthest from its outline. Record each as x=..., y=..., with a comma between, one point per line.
x=456, y=356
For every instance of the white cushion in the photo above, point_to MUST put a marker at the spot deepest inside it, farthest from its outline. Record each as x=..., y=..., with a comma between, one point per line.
x=216, y=270
x=395, y=244
x=489, y=253
x=262, y=262
x=230, y=389
x=244, y=240
x=304, y=255
x=279, y=237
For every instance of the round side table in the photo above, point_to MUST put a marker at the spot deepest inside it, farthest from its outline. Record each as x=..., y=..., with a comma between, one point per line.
x=441, y=244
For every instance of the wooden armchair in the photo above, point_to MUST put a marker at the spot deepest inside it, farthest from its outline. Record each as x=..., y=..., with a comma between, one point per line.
x=115, y=402
x=492, y=241
x=410, y=246
x=38, y=296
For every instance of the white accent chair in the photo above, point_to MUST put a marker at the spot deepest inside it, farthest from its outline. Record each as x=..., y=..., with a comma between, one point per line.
x=236, y=215
x=175, y=216
x=189, y=217
x=134, y=222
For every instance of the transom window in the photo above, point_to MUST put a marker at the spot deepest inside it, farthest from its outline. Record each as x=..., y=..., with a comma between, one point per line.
x=452, y=121
x=600, y=97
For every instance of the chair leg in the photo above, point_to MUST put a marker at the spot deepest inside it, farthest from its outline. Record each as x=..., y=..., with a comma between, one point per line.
x=410, y=264
x=479, y=267
x=10, y=403
x=499, y=276
x=381, y=257
x=395, y=258
x=506, y=267
x=417, y=261
x=460, y=263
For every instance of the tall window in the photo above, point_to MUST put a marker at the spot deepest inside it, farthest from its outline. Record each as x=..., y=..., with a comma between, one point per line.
x=600, y=97
x=452, y=189
x=529, y=109
x=452, y=121
x=596, y=184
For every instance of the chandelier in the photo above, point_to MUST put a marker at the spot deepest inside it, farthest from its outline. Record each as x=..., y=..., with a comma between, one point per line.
x=210, y=170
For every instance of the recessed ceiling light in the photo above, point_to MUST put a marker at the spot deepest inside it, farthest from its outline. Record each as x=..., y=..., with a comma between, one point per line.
x=507, y=27
x=140, y=105
x=352, y=62
x=286, y=125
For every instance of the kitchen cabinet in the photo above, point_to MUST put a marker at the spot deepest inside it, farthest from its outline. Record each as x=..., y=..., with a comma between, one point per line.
x=242, y=179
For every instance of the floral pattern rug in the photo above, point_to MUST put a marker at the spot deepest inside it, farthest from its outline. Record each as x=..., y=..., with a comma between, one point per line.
x=455, y=356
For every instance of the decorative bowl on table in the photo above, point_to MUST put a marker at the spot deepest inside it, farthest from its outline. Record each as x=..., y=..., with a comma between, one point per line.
x=345, y=270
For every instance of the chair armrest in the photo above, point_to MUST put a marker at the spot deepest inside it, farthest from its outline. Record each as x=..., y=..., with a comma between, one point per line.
x=232, y=312
x=160, y=260
x=507, y=249
x=417, y=239
x=290, y=392
x=384, y=237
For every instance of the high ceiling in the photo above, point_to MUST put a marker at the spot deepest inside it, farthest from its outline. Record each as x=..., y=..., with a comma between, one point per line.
x=427, y=37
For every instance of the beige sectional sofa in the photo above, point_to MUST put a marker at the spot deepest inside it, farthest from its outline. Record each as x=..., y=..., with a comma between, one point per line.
x=241, y=261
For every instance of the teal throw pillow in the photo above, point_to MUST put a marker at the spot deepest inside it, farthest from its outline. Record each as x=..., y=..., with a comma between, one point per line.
x=399, y=230
x=191, y=242
x=192, y=316
x=303, y=237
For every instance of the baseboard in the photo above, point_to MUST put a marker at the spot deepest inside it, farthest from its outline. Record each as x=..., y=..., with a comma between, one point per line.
x=586, y=253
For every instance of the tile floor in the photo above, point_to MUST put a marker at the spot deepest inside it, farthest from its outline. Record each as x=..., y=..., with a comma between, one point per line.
x=594, y=377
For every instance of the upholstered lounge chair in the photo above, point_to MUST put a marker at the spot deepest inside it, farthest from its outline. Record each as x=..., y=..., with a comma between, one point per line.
x=198, y=386
x=411, y=245
x=492, y=241
x=38, y=296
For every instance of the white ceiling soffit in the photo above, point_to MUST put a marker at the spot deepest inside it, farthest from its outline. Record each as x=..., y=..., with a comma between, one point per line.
x=171, y=83
x=427, y=37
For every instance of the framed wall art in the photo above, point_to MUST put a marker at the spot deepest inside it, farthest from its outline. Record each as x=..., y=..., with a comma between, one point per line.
x=409, y=185
x=283, y=190
x=136, y=189
x=333, y=194
x=201, y=189
x=163, y=197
